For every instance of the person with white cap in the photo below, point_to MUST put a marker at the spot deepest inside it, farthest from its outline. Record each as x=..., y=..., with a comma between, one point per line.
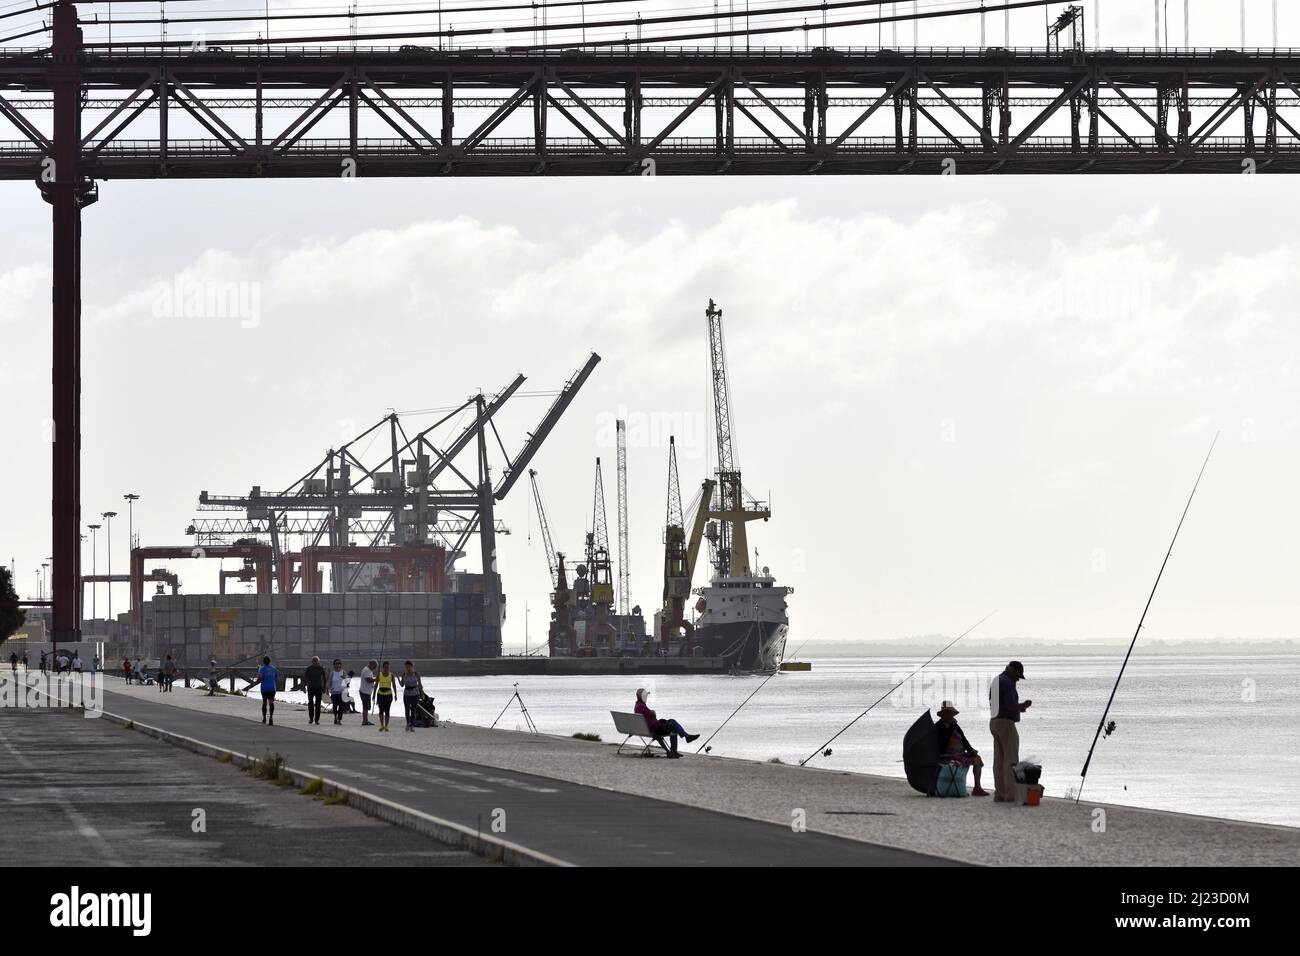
x=955, y=749
x=661, y=727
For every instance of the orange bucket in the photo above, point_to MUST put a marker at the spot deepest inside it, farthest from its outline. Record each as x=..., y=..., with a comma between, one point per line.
x=1032, y=797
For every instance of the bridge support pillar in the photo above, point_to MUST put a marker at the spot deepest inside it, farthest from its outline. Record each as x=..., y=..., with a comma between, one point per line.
x=62, y=187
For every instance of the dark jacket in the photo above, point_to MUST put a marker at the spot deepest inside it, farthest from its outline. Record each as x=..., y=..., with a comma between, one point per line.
x=1004, y=699
x=946, y=734
x=315, y=677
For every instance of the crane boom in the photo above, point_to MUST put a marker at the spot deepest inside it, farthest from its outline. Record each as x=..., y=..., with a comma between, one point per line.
x=515, y=468
x=551, y=562
x=721, y=390
x=624, y=599
x=674, y=517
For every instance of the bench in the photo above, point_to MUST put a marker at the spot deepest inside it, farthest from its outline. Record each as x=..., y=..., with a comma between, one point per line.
x=634, y=725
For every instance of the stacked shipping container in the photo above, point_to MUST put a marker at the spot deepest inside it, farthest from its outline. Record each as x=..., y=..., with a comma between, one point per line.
x=195, y=627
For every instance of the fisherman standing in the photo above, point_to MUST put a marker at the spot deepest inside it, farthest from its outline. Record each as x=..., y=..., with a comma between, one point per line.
x=1005, y=708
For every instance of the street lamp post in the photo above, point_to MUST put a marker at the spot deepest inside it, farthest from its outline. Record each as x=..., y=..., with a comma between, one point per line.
x=130, y=519
x=94, y=551
x=131, y=499
x=108, y=517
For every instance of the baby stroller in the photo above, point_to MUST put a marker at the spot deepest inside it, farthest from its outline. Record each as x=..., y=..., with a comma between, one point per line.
x=426, y=714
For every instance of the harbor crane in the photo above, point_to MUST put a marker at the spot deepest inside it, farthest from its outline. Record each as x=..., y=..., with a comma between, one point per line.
x=728, y=511
x=597, y=573
x=413, y=492
x=561, y=629
x=680, y=554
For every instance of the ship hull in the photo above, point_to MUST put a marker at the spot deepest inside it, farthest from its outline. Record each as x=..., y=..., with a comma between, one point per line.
x=744, y=645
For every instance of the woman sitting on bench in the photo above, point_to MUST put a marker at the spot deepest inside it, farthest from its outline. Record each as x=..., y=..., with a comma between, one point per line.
x=662, y=728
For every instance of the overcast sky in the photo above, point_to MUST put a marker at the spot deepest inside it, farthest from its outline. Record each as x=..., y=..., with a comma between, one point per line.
x=959, y=393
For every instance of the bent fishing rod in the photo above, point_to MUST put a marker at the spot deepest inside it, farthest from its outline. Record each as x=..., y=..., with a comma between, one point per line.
x=896, y=686
x=755, y=691
x=1083, y=774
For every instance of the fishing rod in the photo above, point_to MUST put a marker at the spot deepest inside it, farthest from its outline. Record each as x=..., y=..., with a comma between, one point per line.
x=896, y=686
x=755, y=691
x=1101, y=725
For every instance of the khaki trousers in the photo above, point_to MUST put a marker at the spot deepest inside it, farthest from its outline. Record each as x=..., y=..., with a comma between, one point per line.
x=1006, y=754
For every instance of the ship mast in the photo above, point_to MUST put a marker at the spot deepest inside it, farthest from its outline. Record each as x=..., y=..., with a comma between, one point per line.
x=728, y=539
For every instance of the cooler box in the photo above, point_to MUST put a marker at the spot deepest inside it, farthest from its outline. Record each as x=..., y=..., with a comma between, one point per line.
x=951, y=782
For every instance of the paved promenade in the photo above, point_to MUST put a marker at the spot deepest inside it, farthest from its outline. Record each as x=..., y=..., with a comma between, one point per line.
x=877, y=812
x=560, y=820
x=77, y=792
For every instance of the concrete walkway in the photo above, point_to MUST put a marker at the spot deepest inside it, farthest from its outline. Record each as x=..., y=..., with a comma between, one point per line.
x=877, y=810
x=76, y=792
x=562, y=821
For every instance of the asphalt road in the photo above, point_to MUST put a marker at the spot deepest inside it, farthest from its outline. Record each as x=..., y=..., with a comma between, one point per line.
x=79, y=792
x=573, y=823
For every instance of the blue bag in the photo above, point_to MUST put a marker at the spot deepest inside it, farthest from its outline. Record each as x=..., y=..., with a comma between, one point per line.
x=951, y=782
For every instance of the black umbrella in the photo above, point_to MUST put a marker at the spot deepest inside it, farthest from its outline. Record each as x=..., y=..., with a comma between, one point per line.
x=921, y=754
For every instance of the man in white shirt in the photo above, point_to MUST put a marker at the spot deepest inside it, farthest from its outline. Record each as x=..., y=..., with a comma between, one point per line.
x=367, y=689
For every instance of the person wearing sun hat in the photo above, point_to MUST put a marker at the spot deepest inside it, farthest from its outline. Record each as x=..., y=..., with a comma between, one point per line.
x=955, y=749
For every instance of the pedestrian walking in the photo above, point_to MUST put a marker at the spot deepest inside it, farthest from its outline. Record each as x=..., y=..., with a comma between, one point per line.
x=168, y=674
x=385, y=682
x=13, y=663
x=212, y=677
x=1006, y=707
x=126, y=669
x=43, y=663
x=76, y=662
x=314, y=678
x=367, y=691
x=338, y=687
x=269, y=676
x=411, y=687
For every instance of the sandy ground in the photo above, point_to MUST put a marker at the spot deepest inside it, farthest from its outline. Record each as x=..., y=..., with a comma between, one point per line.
x=858, y=806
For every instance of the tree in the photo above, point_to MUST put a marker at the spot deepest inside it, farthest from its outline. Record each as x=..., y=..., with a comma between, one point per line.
x=11, y=615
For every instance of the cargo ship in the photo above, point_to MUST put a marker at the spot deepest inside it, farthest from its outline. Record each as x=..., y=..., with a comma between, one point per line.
x=744, y=620
x=742, y=616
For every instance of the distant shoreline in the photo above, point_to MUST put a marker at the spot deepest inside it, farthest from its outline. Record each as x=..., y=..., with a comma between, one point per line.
x=1002, y=649
x=924, y=647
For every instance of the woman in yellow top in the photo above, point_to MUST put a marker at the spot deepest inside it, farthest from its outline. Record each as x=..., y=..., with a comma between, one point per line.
x=384, y=683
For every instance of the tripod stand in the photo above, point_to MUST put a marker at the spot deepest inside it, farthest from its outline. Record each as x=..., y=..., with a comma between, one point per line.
x=522, y=706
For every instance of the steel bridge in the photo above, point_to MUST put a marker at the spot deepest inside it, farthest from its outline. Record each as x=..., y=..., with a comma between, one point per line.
x=73, y=114
x=423, y=112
